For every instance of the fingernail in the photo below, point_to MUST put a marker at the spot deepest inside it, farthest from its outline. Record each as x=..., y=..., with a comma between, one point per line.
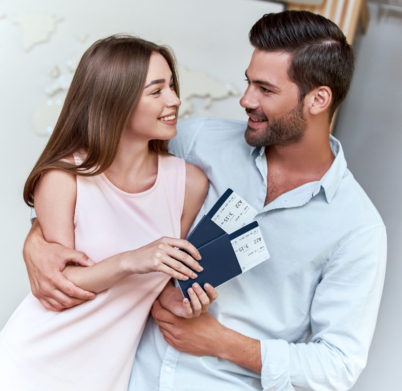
x=200, y=268
x=196, y=286
x=207, y=286
x=199, y=256
x=93, y=297
x=91, y=262
x=194, y=275
x=190, y=290
x=185, y=278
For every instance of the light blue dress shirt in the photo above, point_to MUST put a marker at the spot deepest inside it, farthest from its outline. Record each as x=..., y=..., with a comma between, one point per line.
x=313, y=304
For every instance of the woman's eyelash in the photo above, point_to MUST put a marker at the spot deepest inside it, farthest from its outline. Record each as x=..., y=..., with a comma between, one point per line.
x=159, y=91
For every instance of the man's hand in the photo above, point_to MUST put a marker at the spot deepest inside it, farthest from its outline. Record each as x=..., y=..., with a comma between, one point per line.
x=205, y=336
x=171, y=299
x=45, y=263
x=199, y=336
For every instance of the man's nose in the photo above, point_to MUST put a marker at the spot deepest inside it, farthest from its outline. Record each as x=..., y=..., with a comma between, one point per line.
x=248, y=101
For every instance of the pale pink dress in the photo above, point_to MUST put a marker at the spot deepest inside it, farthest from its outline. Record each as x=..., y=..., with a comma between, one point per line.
x=91, y=347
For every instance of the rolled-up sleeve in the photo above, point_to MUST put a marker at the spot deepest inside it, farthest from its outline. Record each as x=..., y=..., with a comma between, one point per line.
x=343, y=317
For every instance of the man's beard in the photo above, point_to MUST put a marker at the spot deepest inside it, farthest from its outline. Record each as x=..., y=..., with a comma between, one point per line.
x=286, y=130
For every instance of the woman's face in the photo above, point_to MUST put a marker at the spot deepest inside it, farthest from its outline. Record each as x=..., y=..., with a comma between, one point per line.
x=155, y=115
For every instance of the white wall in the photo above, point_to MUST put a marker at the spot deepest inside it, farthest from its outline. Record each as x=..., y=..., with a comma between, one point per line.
x=369, y=127
x=209, y=36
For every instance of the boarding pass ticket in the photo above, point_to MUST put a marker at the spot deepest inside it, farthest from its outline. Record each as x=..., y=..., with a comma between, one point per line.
x=234, y=214
x=250, y=249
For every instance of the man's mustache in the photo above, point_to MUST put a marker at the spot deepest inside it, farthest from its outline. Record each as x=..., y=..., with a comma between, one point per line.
x=256, y=113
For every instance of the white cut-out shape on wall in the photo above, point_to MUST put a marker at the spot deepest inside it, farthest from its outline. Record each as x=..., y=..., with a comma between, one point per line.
x=198, y=84
x=54, y=73
x=36, y=28
x=82, y=37
x=46, y=116
x=62, y=83
x=73, y=63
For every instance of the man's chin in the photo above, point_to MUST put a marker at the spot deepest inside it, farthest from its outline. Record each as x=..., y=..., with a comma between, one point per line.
x=253, y=137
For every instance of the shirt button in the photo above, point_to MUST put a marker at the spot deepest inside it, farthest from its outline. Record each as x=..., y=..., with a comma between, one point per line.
x=168, y=370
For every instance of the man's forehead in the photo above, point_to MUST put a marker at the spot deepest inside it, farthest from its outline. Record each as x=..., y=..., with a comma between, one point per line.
x=269, y=65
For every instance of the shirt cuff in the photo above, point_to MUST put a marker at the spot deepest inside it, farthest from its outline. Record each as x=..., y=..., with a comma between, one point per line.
x=275, y=373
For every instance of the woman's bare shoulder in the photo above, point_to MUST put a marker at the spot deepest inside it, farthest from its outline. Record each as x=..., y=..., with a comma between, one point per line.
x=54, y=199
x=196, y=179
x=58, y=179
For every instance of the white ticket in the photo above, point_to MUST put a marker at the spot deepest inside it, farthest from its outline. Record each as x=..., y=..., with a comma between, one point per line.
x=234, y=214
x=250, y=249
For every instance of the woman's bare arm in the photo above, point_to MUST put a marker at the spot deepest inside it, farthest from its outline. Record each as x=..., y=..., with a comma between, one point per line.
x=55, y=198
x=195, y=193
x=171, y=298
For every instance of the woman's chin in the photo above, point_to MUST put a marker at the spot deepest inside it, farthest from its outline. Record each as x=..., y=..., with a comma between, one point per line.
x=168, y=134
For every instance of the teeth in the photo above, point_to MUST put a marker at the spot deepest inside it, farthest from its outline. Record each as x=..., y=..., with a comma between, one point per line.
x=169, y=118
x=257, y=119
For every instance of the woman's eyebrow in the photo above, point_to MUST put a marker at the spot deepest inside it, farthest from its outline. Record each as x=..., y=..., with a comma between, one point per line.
x=157, y=81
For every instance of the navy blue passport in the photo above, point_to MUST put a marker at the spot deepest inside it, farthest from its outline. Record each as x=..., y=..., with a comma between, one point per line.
x=219, y=262
x=204, y=232
x=221, y=259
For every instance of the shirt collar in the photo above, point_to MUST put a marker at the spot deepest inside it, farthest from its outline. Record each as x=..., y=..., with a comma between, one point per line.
x=261, y=151
x=332, y=178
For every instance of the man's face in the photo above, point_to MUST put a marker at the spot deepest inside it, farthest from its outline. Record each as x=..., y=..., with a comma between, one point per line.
x=272, y=101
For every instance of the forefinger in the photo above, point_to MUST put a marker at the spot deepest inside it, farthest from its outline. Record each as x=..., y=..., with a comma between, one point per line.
x=64, y=300
x=69, y=289
x=185, y=245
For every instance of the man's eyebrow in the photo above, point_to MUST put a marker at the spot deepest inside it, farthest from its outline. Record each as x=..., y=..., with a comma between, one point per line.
x=263, y=82
x=157, y=81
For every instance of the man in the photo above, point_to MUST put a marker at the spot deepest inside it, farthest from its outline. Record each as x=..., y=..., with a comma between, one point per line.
x=304, y=319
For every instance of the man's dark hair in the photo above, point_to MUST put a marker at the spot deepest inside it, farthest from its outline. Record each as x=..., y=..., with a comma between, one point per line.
x=320, y=53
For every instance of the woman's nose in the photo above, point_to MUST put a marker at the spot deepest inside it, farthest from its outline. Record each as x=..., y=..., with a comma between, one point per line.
x=173, y=100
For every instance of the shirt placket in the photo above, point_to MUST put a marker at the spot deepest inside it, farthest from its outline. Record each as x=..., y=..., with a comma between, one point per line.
x=168, y=369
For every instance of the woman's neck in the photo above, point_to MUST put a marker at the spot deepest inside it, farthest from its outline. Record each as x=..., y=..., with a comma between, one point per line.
x=135, y=167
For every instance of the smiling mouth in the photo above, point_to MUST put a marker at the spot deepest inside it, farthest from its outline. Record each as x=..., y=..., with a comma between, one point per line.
x=256, y=119
x=168, y=117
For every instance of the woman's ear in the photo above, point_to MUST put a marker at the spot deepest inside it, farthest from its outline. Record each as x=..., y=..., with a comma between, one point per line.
x=319, y=100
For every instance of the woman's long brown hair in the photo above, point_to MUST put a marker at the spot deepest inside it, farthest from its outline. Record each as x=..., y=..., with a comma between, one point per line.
x=106, y=87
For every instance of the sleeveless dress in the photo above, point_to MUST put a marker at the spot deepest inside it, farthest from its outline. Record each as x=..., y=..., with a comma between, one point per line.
x=91, y=347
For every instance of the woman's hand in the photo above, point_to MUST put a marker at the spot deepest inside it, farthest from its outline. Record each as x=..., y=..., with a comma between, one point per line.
x=172, y=299
x=164, y=255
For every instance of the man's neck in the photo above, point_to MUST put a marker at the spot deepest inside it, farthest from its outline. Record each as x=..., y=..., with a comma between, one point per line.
x=297, y=164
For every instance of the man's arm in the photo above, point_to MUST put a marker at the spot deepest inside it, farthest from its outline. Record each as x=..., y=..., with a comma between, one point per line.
x=343, y=316
x=45, y=263
x=205, y=336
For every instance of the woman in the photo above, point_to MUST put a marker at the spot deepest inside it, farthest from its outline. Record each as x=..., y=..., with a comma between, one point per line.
x=106, y=185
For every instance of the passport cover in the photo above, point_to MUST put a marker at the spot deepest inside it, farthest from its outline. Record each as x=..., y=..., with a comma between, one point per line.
x=219, y=262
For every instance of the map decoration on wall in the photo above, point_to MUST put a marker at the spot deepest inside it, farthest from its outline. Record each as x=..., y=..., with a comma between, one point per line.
x=36, y=28
x=54, y=72
x=198, y=84
x=82, y=37
x=193, y=84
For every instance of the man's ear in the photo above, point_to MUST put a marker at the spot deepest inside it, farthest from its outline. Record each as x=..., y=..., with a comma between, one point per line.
x=319, y=100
